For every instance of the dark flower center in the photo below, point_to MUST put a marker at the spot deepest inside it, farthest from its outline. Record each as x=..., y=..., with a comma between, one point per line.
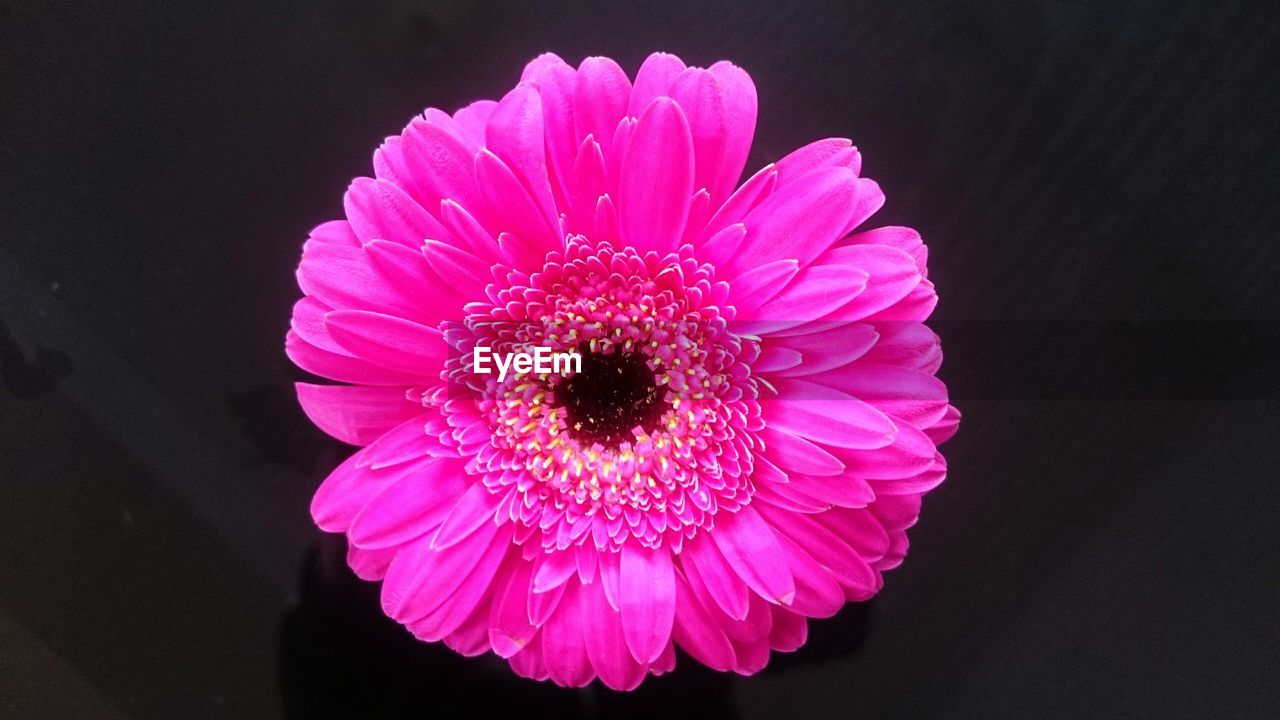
x=613, y=394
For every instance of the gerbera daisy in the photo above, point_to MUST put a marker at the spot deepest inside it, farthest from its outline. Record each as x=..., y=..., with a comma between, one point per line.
x=753, y=420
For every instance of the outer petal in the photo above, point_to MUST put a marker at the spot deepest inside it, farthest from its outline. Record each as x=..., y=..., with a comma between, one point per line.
x=647, y=599
x=356, y=414
x=656, y=183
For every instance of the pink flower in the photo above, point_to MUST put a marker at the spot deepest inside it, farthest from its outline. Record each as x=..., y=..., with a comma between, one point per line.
x=755, y=420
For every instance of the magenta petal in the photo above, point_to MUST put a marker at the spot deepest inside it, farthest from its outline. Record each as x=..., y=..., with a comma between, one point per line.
x=474, y=509
x=697, y=634
x=388, y=341
x=942, y=430
x=790, y=630
x=442, y=165
x=412, y=506
x=827, y=346
x=510, y=206
x=891, y=275
x=342, y=366
x=654, y=78
x=798, y=221
x=355, y=414
x=824, y=547
x=824, y=415
x=553, y=569
x=750, y=548
x=909, y=395
x=817, y=593
x=656, y=183
x=738, y=97
x=647, y=599
x=422, y=577
x=369, y=565
x=515, y=134
x=600, y=99
x=556, y=83
x=378, y=210
x=818, y=155
x=792, y=452
x=606, y=643
x=725, y=587
x=413, y=440
x=509, y=627
x=564, y=646
x=469, y=595
x=741, y=202
x=345, y=492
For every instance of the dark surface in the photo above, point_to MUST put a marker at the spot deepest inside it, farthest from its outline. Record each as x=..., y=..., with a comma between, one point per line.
x=1098, y=185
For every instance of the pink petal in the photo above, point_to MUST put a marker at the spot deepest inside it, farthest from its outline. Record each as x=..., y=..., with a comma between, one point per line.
x=814, y=292
x=441, y=166
x=412, y=440
x=824, y=547
x=606, y=644
x=909, y=395
x=821, y=414
x=378, y=210
x=656, y=182
x=564, y=646
x=902, y=238
x=738, y=95
x=757, y=286
x=845, y=490
x=798, y=221
x=469, y=595
x=341, y=277
x=724, y=586
x=943, y=430
x=473, y=118
x=818, y=155
x=356, y=414
x=369, y=565
x=741, y=202
x=790, y=630
x=891, y=275
x=342, y=366
x=422, y=577
x=908, y=344
x=388, y=341
x=412, y=506
x=647, y=599
x=654, y=78
x=828, y=346
x=911, y=452
x=510, y=206
x=509, y=627
x=556, y=83
x=553, y=569
x=473, y=510
x=515, y=134
x=794, y=453
x=590, y=181
x=600, y=99
x=407, y=274
x=750, y=548
x=695, y=632
x=817, y=593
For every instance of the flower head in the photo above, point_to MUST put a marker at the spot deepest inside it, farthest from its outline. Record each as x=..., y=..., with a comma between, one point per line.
x=751, y=425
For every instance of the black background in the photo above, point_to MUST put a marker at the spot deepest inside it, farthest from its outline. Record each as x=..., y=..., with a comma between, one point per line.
x=1098, y=185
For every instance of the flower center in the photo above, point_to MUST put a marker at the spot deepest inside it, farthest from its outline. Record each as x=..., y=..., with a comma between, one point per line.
x=612, y=395
x=649, y=439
